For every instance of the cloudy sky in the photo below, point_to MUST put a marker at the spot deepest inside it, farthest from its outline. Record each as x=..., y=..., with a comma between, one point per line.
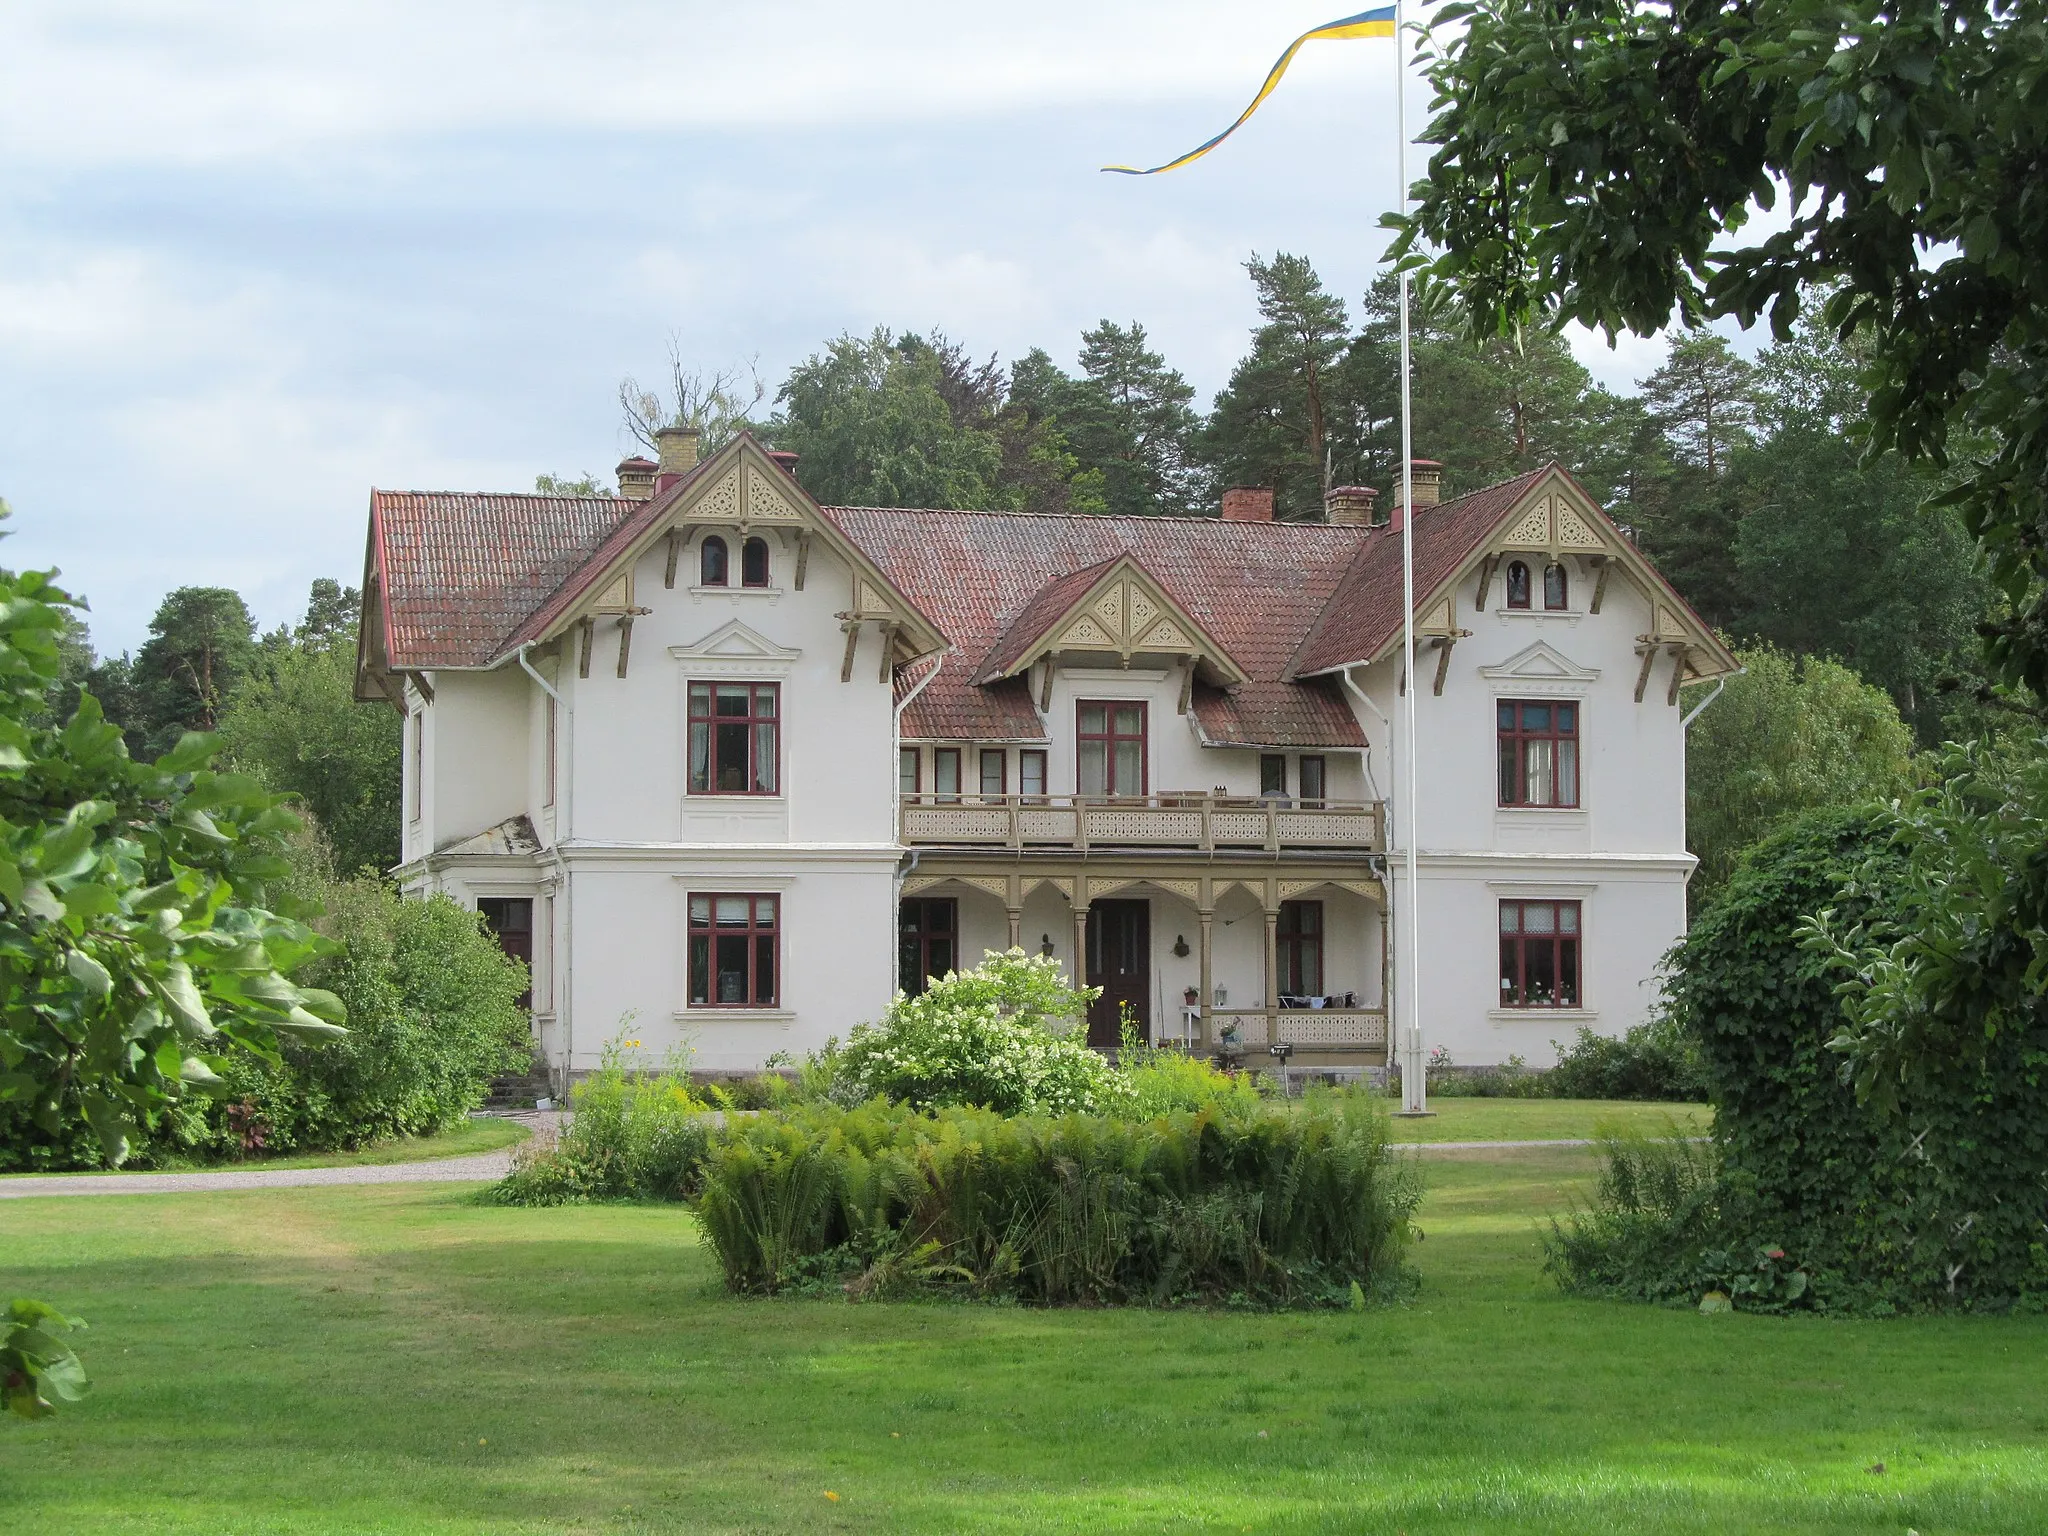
x=257, y=258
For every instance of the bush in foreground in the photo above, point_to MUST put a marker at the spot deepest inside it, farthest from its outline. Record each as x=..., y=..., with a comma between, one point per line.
x=1272, y=1206
x=1005, y=1035
x=633, y=1136
x=1928, y=1195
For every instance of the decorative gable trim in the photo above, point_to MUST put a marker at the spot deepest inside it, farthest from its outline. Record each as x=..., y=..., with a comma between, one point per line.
x=1125, y=611
x=1554, y=516
x=736, y=650
x=1540, y=663
x=742, y=488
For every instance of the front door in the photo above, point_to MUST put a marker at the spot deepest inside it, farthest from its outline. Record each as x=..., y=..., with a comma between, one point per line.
x=511, y=919
x=1119, y=962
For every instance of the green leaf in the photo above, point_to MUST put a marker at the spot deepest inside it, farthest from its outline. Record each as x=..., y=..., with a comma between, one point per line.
x=88, y=972
x=194, y=751
x=183, y=999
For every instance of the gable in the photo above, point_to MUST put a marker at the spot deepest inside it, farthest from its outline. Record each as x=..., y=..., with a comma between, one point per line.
x=1117, y=607
x=742, y=489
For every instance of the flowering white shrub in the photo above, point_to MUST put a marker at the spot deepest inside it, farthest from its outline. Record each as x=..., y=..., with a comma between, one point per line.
x=1005, y=1035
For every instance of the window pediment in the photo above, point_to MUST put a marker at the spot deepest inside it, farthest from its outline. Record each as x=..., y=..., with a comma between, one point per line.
x=735, y=649
x=1540, y=663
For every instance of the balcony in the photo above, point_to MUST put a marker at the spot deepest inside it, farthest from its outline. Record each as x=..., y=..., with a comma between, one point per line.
x=1170, y=820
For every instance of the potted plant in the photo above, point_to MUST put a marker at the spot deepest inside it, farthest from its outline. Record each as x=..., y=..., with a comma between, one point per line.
x=1191, y=997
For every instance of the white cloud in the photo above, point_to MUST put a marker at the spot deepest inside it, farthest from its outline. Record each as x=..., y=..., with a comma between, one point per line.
x=222, y=80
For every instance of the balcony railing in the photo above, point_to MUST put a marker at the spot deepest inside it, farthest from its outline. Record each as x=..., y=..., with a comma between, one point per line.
x=1169, y=820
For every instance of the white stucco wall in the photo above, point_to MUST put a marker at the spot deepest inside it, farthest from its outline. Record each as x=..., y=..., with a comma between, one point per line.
x=624, y=844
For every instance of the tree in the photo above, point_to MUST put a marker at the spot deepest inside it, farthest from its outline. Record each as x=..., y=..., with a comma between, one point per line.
x=1704, y=399
x=871, y=427
x=295, y=725
x=570, y=485
x=1272, y=422
x=1785, y=737
x=1132, y=423
x=1601, y=160
x=202, y=644
x=1832, y=554
x=138, y=945
x=718, y=403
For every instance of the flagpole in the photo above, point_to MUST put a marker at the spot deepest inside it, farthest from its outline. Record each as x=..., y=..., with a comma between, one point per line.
x=1414, y=1089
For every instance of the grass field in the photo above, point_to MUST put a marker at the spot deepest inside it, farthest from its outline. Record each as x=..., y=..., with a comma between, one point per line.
x=466, y=1140
x=1546, y=1119
x=396, y=1359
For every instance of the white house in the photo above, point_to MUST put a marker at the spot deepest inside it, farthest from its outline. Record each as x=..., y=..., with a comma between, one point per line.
x=731, y=767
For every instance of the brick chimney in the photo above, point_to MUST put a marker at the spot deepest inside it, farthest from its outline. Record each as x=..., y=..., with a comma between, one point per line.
x=1428, y=476
x=636, y=478
x=1248, y=504
x=1350, y=504
x=678, y=455
x=786, y=459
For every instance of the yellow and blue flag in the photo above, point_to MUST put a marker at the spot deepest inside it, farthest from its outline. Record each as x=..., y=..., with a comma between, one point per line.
x=1377, y=23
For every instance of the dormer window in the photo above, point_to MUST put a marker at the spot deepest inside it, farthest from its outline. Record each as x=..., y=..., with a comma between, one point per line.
x=754, y=563
x=1556, y=589
x=1518, y=584
x=711, y=563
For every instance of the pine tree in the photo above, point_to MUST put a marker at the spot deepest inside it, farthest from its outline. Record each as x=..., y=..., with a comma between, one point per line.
x=1132, y=422
x=1704, y=398
x=1272, y=422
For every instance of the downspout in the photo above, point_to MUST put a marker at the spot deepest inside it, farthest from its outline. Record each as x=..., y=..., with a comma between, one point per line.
x=895, y=759
x=1701, y=708
x=565, y=952
x=1358, y=693
x=1684, y=726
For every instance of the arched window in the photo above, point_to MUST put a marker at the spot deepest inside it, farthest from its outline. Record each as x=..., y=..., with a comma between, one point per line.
x=1555, y=588
x=711, y=563
x=1518, y=584
x=754, y=563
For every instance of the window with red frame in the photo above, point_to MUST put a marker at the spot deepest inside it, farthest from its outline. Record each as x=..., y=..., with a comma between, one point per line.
x=1518, y=584
x=1031, y=771
x=1539, y=954
x=1110, y=735
x=1539, y=752
x=1556, y=588
x=735, y=959
x=735, y=738
x=995, y=773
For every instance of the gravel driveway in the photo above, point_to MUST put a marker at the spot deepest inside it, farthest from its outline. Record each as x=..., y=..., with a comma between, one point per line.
x=447, y=1170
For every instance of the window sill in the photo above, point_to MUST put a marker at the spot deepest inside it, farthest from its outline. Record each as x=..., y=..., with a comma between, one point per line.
x=1534, y=1015
x=1572, y=811
x=1569, y=615
x=734, y=799
x=708, y=1015
x=701, y=592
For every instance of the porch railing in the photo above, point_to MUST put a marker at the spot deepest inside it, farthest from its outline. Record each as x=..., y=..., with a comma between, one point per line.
x=1316, y=1029
x=1167, y=820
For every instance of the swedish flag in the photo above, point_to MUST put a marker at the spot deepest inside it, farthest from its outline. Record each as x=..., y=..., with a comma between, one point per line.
x=1378, y=23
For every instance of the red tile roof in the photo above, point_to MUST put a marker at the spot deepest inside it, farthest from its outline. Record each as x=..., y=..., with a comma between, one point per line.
x=1365, y=612
x=467, y=577
x=1036, y=616
x=1255, y=587
x=461, y=571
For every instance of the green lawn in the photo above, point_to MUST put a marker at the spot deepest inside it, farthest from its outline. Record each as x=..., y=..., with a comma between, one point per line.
x=1546, y=1119
x=394, y=1359
x=465, y=1140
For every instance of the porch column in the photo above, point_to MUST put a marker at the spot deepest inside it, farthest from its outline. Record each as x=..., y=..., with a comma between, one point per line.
x=1080, y=944
x=1016, y=927
x=1272, y=974
x=1207, y=996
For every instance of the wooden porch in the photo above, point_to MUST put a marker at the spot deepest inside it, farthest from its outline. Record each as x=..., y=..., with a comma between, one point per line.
x=1349, y=1028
